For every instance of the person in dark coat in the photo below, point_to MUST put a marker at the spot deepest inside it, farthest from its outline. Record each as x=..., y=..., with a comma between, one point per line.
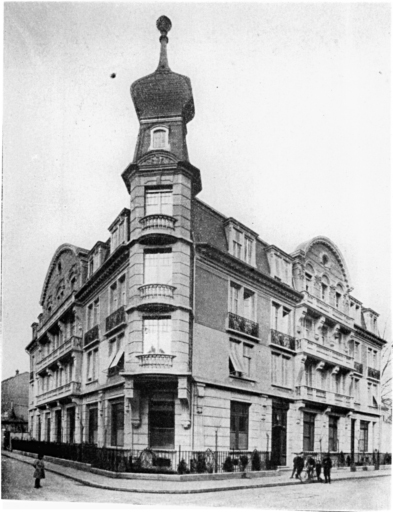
x=310, y=467
x=299, y=465
x=39, y=472
x=294, y=466
x=327, y=466
x=318, y=469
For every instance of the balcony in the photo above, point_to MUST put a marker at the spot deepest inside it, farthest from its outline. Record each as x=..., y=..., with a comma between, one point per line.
x=324, y=396
x=74, y=343
x=64, y=391
x=157, y=228
x=92, y=335
x=156, y=360
x=115, y=320
x=358, y=367
x=153, y=295
x=324, y=353
x=282, y=340
x=327, y=309
x=373, y=373
x=243, y=325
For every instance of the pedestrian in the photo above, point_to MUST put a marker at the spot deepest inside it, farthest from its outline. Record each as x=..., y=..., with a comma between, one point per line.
x=294, y=465
x=327, y=466
x=299, y=465
x=318, y=469
x=39, y=472
x=310, y=467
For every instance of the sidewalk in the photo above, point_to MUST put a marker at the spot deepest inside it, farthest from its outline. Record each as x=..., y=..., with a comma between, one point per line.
x=194, y=487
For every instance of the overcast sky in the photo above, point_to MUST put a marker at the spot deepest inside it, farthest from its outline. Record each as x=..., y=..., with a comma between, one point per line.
x=291, y=131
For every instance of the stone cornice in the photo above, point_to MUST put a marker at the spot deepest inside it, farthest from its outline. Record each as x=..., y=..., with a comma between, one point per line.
x=105, y=272
x=212, y=253
x=369, y=335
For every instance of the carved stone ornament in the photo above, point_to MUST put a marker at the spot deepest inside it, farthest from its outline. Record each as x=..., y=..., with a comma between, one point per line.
x=335, y=370
x=184, y=396
x=320, y=366
x=157, y=160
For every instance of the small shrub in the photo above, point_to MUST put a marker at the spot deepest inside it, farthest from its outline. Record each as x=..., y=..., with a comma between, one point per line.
x=210, y=467
x=255, y=461
x=228, y=466
x=182, y=467
x=201, y=464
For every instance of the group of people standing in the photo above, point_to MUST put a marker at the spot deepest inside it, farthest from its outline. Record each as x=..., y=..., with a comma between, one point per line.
x=299, y=464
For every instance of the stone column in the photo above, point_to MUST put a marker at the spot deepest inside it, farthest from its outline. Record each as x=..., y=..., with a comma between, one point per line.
x=101, y=419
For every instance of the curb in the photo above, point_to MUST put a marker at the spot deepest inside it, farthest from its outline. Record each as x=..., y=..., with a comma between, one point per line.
x=188, y=491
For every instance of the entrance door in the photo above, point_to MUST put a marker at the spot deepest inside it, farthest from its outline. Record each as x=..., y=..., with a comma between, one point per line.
x=279, y=436
x=58, y=426
x=71, y=425
x=353, y=422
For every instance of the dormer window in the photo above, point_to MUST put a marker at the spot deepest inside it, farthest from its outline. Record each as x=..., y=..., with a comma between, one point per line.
x=241, y=241
x=159, y=139
x=237, y=243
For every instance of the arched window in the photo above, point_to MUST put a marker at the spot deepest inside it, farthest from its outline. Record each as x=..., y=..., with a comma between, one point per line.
x=339, y=296
x=159, y=138
x=309, y=276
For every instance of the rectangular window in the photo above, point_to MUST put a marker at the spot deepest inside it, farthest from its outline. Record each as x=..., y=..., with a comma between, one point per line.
x=308, y=328
x=122, y=291
x=93, y=424
x=248, y=250
x=117, y=423
x=281, y=370
x=363, y=437
x=96, y=312
x=48, y=426
x=286, y=321
x=357, y=391
x=309, y=375
x=333, y=423
x=276, y=316
x=248, y=304
x=162, y=421
x=158, y=267
x=158, y=201
x=281, y=318
x=247, y=359
x=92, y=362
x=237, y=243
x=356, y=352
x=239, y=426
x=235, y=303
x=308, y=432
x=113, y=298
x=157, y=335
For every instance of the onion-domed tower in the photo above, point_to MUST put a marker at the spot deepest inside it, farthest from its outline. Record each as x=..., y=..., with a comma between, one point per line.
x=162, y=184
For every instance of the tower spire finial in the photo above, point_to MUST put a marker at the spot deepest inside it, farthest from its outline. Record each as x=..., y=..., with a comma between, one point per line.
x=164, y=25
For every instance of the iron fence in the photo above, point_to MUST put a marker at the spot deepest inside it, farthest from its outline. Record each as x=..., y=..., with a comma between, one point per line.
x=151, y=461
x=344, y=459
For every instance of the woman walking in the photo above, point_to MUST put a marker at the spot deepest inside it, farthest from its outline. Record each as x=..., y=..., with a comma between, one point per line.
x=39, y=472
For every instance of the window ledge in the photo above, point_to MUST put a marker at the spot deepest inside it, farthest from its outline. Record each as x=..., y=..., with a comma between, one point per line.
x=279, y=386
x=243, y=334
x=90, y=382
x=247, y=379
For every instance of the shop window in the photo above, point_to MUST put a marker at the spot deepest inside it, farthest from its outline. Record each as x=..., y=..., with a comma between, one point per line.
x=333, y=424
x=93, y=425
x=117, y=423
x=308, y=432
x=162, y=421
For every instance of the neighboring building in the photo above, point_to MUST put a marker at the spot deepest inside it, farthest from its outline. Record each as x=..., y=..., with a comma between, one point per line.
x=185, y=323
x=15, y=403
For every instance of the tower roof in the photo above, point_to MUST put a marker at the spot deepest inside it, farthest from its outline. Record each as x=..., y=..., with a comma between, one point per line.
x=163, y=93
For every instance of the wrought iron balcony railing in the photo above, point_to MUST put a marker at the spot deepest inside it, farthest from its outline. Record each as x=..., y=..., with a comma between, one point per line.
x=373, y=373
x=92, y=335
x=156, y=360
x=115, y=319
x=281, y=339
x=244, y=325
x=70, y=388
x=358, y=367
x=73, y=343
x=156, y=290
x=158, y=221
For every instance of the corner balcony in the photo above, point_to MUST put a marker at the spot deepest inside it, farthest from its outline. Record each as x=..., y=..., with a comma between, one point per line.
x=324, y=353
x=157, y=229
x=242, y=325
x=92, y=335
x=156, y=295
x=71, y=345
x=373, y=373
x=115, y=320
x=324, y=396
x=156, y=361
x=282, y=340
x=65, y=391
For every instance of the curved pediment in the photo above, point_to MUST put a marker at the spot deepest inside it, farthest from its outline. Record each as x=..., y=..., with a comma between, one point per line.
x=64, y=275
x=322, y=255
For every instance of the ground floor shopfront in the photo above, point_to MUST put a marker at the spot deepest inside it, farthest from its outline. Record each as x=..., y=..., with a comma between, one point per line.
x=174, y=413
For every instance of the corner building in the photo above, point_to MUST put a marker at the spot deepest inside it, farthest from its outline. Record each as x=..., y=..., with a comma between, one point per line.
x=186, y=329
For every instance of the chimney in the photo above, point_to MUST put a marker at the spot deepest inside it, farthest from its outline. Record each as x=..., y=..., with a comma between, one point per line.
x=16, y=373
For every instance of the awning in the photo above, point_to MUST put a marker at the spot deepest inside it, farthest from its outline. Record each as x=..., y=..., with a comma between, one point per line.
x=234, y=357
x=116, y=359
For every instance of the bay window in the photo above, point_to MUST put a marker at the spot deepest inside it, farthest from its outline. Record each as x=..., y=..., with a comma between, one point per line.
x=158, y=266
x=157, y=335
x=158, y=200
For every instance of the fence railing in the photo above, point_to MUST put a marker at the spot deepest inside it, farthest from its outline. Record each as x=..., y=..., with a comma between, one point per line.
x=151, y=461
x=372, y=372
x=241, y=324
x=115, y=319
x=358, y=367
x=284, y=340
x=92, y=335
x=346, y=459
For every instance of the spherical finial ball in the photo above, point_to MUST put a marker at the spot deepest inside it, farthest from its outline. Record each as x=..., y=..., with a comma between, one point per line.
x=164, y=25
